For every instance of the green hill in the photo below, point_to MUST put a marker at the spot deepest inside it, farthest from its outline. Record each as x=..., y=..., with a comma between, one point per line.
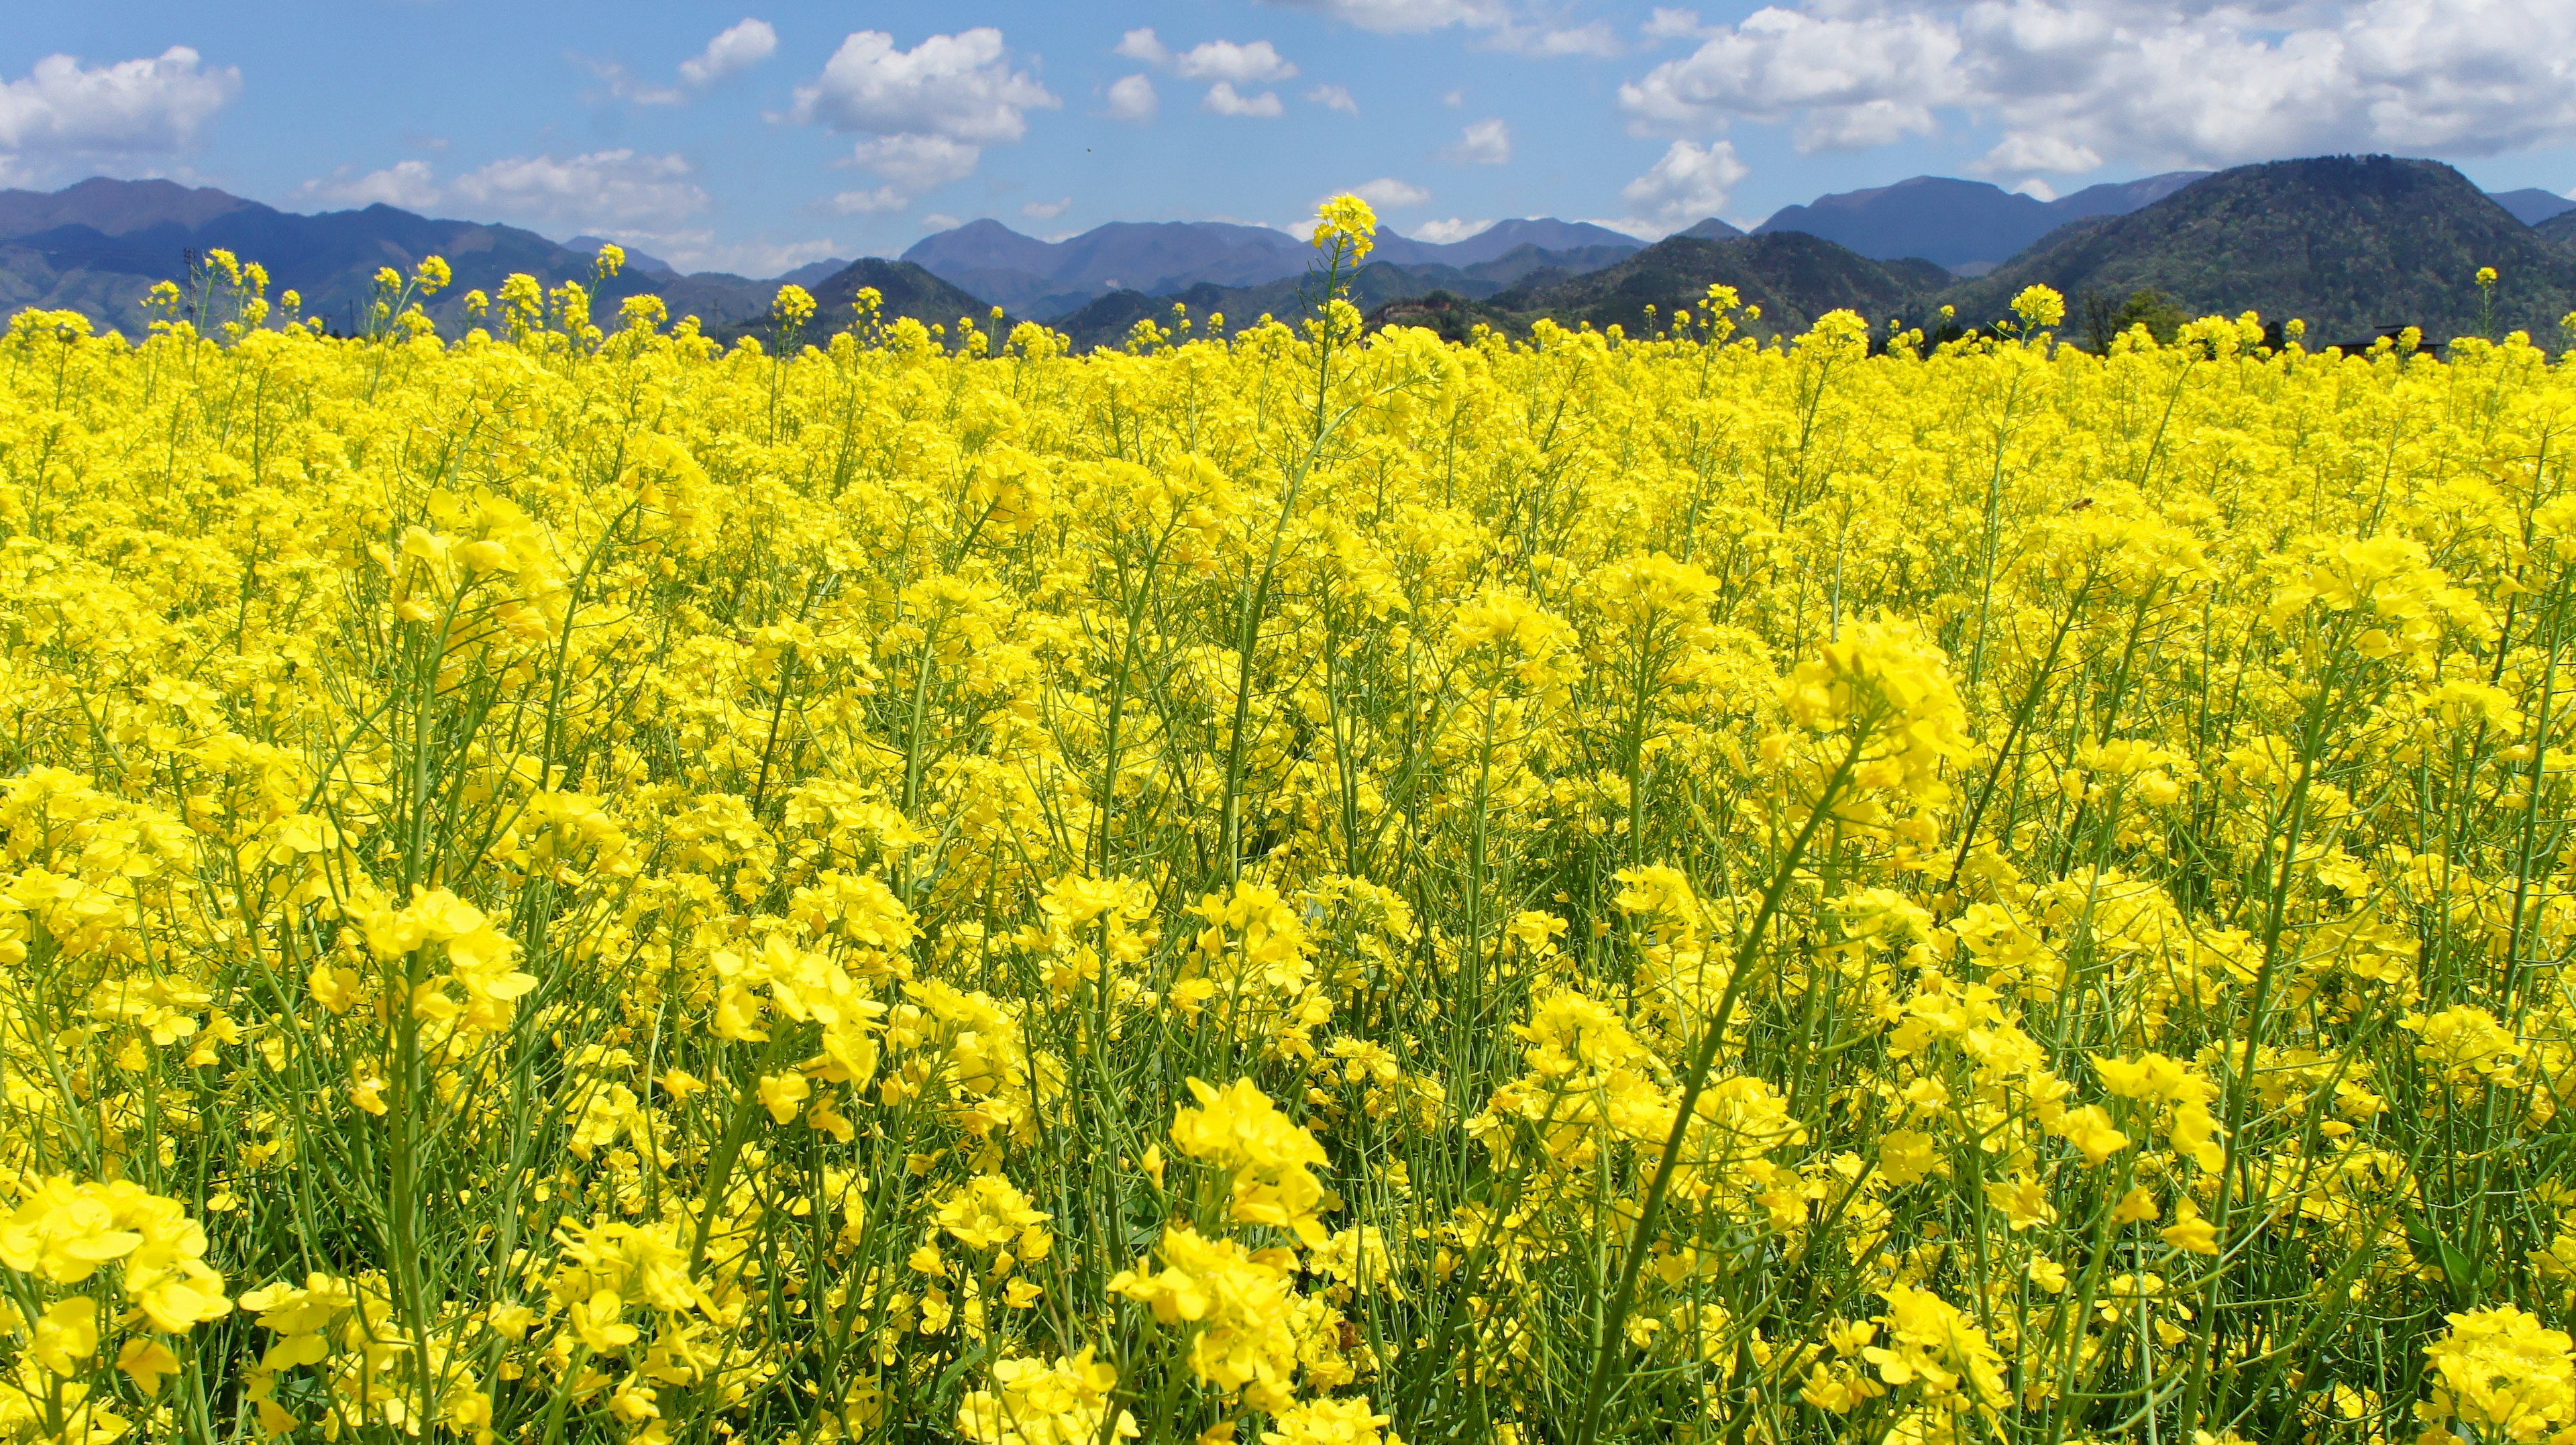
x=905, y=289
x=2354, y=245
x=1107, y=320
x=1792, y=276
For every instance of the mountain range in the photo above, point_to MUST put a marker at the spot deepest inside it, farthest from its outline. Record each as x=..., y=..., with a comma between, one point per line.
x=1047, y=279
x=1968, y=226
x=2356, y=245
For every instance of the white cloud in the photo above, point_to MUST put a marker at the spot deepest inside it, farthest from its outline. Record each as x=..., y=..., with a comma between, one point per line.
x=1386, y=193
x=960, y=86
x=1223, y=99
x=1485, y=143
x=756, y=258
x=2076, y=84
x=1258, y=63
x=1334, y=97
x=132, y=112
x=917, y=163
x=1441, y=233
x=410, y=185
x=2036, y=189
x=1141, y=45
x=1848, y=81
x=697, y=249
x=928, y=111
x=1689, y=182
x=597, y=190
x=1133, y=98
x=1047, y=210
x=736, y=48
x=876, y=201
x=626, y=85
x=1236, y=68
x=1547, y=41
x=2022, y=151
x=1453, y=98
x=1409, y=16
x=1671, y=24
x=1502, y=23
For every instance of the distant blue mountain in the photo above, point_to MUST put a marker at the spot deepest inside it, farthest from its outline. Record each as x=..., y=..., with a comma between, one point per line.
x=1500, y=239
x=1968, y=226
x=2532, y=205
x=1972, y=226
x=98, y=246
x=1046, y=279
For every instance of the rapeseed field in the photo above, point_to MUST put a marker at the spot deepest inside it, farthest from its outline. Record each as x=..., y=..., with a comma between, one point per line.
x=1280, y=884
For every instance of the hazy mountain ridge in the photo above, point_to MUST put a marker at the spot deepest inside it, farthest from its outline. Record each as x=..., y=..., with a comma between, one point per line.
x=1053, y=280
x=2353, y=245
x=1960, y=224
x=2533, y=206
x=99, y=246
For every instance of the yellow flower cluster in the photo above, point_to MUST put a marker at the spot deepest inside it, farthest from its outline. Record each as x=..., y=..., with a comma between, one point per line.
x=1279, y=883
x=62, y=1233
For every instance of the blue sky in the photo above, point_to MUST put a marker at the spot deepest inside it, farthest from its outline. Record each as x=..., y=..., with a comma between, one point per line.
x=754, y=136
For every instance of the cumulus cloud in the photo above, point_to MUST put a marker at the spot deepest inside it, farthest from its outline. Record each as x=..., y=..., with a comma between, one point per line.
x=1334, y=97
x=410, y=185
x=1132, y=98
x=1386, y=193
x=1258, y=63
x=1233, y=67
x=752, y=258
x=1689, y=182
x=1142, y=45
x=1671, y=24
x=1400, y=17
x=917, y=162
x=1441, y=233
x=1547, y=41
x=1223, y=99
x=960, y=86
x=620, y=190
x=2075, y=84
x=598, y=190
x=1847, y=80
x=736, y=48
x=133, y=112
x=624, y=84
x=1485, y=143
x=927, y=112
x=875, y=201
x=1047, y=210
x=1499, y=22
x=696, y=249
